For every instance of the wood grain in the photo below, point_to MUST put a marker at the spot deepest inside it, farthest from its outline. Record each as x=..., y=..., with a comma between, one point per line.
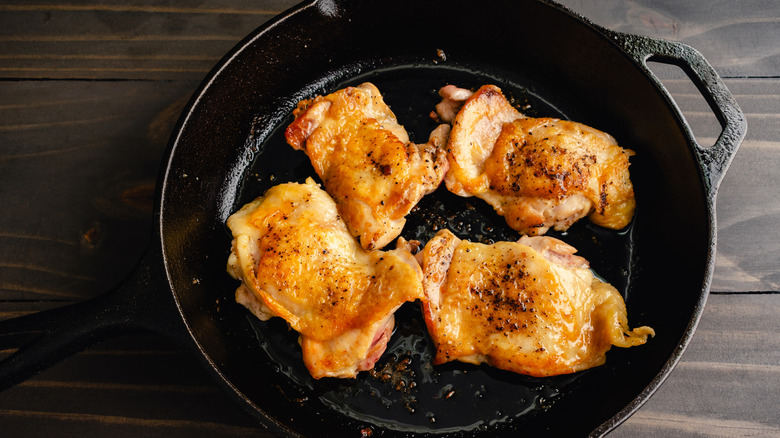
x=141, y=39
x=142, y=384
x=735, y=37
x=123, y=40
x=748, y=203
x=77, y=169
x=706, y=393
x=94, y=149
x=90, y=91
x=130, y=386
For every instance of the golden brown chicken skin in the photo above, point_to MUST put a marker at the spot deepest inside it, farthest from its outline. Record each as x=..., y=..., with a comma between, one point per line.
x=366, y=161
x=297, y=260
x=539, y=173
x=530, y=307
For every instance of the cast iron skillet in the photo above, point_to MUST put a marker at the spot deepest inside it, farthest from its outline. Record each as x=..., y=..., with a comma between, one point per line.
x=228, y=148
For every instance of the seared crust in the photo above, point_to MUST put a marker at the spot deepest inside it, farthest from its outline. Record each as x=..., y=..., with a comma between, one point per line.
x=539, y=173
x=297, y=260
x=365, y=160
x=516, y=308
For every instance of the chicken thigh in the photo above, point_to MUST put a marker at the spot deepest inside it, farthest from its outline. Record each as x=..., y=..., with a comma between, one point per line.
x=366, y=161
x=539, y=173
x=531, y=307
x=297, y=260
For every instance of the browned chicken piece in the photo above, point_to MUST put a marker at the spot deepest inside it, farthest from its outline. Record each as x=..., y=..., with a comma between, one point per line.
x=530, y=307
x=539, y=173
x=297, y=260
x=366, y=161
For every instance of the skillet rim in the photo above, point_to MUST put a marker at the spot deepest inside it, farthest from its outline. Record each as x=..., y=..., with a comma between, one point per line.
x=207, y=84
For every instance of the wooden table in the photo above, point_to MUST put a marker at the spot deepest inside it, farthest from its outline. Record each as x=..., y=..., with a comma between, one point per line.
x=89, y=93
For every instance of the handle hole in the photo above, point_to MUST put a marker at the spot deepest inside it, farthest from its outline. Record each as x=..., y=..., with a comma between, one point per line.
x=696, y=111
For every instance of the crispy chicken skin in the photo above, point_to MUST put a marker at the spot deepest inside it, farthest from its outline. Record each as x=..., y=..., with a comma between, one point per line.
x=366, y=161
x=530, y=307
x=539, y=173
x=297, y=260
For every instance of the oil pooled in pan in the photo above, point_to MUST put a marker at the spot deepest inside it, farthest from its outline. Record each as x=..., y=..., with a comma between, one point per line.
x=405, y=392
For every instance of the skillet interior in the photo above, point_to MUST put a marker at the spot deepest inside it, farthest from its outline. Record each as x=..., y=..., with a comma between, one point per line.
x=229, y=148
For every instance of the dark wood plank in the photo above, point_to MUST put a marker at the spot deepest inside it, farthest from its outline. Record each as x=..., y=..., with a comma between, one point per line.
x=79, y=160
x=78, y=168
x=92, y=150
x=141, y=39
x=138, y=39
x=748, y=204
x=133, y=386
x=736, y=37
x=725, y=385
x=727, y=381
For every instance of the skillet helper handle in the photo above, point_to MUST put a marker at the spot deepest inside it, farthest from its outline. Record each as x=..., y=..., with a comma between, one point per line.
x=716, y=158
x=47, y=337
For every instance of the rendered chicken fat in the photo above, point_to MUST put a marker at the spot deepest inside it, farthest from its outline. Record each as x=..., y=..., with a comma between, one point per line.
x=533, y=307
x=530, y=307
x=297, y=260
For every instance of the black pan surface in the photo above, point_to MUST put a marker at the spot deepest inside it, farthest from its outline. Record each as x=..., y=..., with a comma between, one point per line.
x=405, y=392
x=228, y=148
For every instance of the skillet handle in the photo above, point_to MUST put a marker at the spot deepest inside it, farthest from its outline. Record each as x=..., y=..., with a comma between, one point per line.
x=45, y=338
x=716, y=158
